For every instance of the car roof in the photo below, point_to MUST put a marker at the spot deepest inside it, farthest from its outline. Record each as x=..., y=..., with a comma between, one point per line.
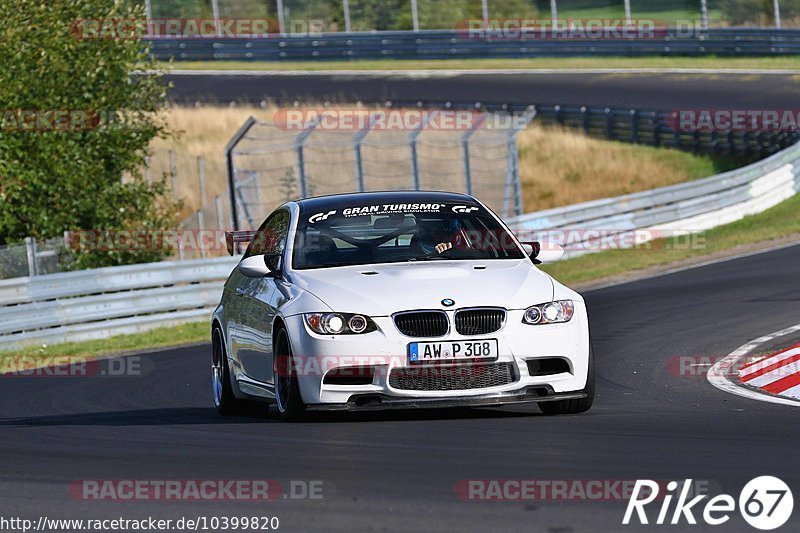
x=321, y=203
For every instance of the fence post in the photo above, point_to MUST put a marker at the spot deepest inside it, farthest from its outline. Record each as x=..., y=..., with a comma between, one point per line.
x=634, y=126
x=553, y=13
x=777, y=7
x=656, y=129
x=256, y=179
x=609, y=123
x=415, y=15
x=218, y=211
x=173, y=174
x=585, y=119
x=201, y=216
x=30, y=249
x=215, y=14
x=301, y=163
x=412, y=141
x=465, y=152
x=513, y=182
x=237, y=137
x=357, y=140
x=281, y=21
x=414, y=166
x=676, y=131
x=346, y=9
x=704, y=14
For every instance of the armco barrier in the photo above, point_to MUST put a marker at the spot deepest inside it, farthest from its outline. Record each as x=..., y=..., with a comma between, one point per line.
x=687, y=207
x=446, y=44
x=99, y=303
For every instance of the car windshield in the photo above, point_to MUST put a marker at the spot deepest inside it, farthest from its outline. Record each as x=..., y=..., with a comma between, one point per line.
x=386, y=233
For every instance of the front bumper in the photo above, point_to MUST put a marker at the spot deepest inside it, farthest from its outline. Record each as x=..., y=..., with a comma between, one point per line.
x=358, y=402
x=386, y=349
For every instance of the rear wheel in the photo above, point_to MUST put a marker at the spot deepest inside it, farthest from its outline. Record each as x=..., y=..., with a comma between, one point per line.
x=224, y=399
x=287, y=389
x=567, y=407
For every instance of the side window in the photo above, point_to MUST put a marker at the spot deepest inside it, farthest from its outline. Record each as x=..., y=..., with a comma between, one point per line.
x=271, y=236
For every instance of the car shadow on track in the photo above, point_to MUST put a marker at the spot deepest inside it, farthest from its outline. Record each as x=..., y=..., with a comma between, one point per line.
x=258, y=413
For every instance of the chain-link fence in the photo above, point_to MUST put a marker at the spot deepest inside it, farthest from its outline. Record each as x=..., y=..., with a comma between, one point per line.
x=34, y=258
x=302, y=16
x=270, y=163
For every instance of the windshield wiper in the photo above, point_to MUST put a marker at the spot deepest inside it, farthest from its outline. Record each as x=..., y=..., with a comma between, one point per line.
x=429, y=258
x=333, y=264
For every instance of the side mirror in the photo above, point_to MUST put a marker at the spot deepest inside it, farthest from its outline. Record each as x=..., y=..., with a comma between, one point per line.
x=544, y=251
x=259, y=266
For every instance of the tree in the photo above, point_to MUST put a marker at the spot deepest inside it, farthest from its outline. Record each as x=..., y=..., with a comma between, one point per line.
x=57, y=176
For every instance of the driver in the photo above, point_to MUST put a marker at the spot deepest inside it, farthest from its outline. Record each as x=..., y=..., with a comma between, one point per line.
x=436, y=236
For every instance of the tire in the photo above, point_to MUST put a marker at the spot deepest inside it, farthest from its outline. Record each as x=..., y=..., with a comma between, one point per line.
x=287, y=389
x=224, y=399
x=570, y=407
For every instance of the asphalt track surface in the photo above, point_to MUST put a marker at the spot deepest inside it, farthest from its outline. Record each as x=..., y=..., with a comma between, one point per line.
x=397, y=471
x=641, y=90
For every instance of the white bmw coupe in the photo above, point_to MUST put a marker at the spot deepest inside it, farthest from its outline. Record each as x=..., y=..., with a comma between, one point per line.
x=396, y=299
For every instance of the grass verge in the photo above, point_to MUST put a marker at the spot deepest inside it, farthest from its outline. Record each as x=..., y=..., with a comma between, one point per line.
x=157, y=338
x=566, y=63
x=776, y=223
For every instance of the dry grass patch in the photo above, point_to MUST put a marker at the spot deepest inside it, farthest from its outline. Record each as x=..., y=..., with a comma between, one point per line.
x=560, y=167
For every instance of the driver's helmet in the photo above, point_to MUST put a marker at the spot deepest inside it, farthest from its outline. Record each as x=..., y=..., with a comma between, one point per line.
x=433, y=232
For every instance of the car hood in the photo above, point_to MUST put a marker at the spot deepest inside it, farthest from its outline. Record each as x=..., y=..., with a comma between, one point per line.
x=380, y=290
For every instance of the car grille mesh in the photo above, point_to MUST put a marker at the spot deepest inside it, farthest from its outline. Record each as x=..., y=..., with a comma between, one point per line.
x=422, y=324
x=452, y=377
x=479, y=321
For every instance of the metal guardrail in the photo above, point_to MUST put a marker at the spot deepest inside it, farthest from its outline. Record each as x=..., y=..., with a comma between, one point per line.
x=446, y=44
x=99, y=303
x=683, y=208
x=634, y=125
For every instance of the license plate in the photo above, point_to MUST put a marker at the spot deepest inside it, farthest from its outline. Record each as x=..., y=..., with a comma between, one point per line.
x=432, y=352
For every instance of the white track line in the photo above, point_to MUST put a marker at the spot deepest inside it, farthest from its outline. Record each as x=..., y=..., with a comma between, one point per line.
x=719, y=374
x=443, y=73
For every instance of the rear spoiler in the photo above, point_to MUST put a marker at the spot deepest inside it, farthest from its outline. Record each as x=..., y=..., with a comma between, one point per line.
x=232, y=238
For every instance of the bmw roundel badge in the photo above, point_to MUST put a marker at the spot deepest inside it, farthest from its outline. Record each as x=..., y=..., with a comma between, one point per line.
x=447, y=302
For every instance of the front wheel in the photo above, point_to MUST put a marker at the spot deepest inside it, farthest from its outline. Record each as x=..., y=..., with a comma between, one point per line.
x=287, y=389
x=568, y=407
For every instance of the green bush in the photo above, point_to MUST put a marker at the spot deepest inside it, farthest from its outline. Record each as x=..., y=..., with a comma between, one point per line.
x=756, y=12
x=54, y=179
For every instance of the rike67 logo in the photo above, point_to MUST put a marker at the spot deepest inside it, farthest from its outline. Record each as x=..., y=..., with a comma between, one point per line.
x=765, y=503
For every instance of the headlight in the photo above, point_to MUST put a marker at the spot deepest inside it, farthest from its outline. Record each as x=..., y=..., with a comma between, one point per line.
x=550, y=313
x=339, y=323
